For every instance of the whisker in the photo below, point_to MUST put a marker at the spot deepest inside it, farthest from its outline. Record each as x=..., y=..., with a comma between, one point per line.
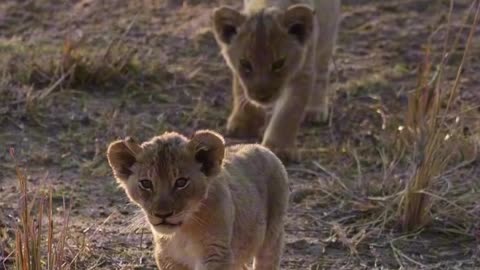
x=138, y=221
x=243, y=102
x=199, y=221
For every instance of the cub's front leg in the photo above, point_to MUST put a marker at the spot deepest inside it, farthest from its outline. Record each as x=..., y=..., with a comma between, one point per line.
x=287, y=116
x=246, y=119
x=217, y=257
x=166, y=263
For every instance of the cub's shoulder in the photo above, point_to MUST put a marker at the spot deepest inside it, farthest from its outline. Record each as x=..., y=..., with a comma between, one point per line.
x=253, y=6
x=252, y=153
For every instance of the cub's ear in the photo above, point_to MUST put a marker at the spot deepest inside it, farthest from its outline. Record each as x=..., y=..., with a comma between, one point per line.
x=298, y=20
x=208, y=147
x=122, y=155
x=226, y=22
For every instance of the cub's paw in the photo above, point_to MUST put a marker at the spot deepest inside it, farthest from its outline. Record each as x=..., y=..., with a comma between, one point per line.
x=180, y=3
x=285, y=154
x=317, y=116
x=244, y=129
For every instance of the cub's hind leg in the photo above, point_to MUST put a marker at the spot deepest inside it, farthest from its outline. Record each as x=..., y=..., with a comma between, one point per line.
x=319, y=103
x=165, y=263
x=269, y=255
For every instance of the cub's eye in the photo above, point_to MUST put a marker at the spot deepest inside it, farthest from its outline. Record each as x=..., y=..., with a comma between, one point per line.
x=145, y=184
x=278, y=65
x=245, y=66
x=181, y=183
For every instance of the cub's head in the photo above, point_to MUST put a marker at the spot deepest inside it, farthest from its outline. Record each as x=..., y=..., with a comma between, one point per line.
x=168, y=176
x=265, y=49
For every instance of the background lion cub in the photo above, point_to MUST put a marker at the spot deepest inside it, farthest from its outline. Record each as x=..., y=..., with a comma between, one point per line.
x=279, y=52
x=209, y=207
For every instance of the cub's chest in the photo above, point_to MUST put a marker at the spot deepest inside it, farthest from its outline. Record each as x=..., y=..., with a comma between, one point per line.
x=183, y=251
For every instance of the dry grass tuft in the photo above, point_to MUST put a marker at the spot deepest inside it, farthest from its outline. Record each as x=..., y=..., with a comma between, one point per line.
x=434, y=141
x=78, y=64
x=423, y=194
x=79, y=69
x=82, y=67
x=38, y=244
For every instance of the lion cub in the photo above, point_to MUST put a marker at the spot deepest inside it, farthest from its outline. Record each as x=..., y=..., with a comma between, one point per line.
x=279, y=52
x=209, y=206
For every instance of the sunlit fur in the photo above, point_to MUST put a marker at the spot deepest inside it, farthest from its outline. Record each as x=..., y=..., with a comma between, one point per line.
x=229, y=215
x=262, y=41
x=261, y=35
x=162, y=162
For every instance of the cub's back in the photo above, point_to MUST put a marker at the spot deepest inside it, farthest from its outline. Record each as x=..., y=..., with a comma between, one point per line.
x=255, y=5
x=255, y=170
x=327, y=13
x=258, y=184
x=253, y=161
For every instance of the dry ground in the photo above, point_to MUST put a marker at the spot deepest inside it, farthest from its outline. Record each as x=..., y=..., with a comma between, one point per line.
x=138, y=68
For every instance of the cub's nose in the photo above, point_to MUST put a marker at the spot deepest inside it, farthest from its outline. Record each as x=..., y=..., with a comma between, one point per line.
x=163, y=215
x=264, y=97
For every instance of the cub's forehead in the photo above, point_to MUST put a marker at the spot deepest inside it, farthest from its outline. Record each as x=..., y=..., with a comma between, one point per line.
x=261, y=23
x=167, y=148
x=260, y=36
x=258, y=22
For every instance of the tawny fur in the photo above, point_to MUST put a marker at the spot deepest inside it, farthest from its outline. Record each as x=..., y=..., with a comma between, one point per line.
x=279, y=53
x=230, y=213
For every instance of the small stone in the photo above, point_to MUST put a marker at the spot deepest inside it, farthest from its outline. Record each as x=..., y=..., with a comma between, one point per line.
x=299, y=244
x=299, y=195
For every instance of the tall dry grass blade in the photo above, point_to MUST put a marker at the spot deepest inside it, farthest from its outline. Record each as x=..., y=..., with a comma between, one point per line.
x=24, y=239
x=50, y=257
x=38, y=242
x=60, y=255
x=19, y=261
x=454, y=91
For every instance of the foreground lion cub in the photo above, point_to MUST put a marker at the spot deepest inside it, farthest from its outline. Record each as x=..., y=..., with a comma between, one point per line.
x=209, y=207
x=279, y=52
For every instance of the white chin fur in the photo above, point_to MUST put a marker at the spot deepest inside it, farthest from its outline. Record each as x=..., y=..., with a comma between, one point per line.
x=164, y=230
x=266, y=105
x=263, y=105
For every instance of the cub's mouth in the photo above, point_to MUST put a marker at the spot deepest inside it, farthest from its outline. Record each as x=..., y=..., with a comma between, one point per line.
x=167, y=224
x=262, y=99
x=265, y=99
